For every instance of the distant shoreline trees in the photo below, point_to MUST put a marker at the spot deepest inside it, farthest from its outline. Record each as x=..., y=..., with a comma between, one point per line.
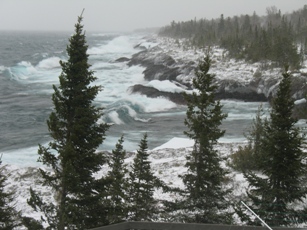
x=274, y=38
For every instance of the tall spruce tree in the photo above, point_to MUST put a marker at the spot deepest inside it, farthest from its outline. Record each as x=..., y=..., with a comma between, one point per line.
x=205, y=199
x=282, y=168
x=117, y=190
x=142, y=184
x=71, y=155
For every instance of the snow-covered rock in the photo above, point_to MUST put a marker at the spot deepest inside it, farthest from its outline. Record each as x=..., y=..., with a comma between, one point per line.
x=172, y=60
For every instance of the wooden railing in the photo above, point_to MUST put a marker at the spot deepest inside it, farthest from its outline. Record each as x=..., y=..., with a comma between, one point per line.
x=182, y=226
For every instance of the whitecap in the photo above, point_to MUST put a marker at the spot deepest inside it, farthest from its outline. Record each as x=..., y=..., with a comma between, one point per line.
x=22, y=71
x=114, y=117
x=49, y=63
x=152, y=105
x=142, y=120
x=121, y=44
x=2, y=68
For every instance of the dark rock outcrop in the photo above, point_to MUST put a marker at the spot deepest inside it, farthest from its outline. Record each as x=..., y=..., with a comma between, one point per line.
x=122, y=59
x=299, y=111
x=231, y=89
x=247, y=96
x=177, y=98
x=299, y=87
x=155, y=56
x=141, y=58
x=160, y=72
x=139, y=46
x=160, y=66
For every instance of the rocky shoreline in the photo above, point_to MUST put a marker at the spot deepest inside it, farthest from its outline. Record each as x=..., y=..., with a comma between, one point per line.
x=238, y=80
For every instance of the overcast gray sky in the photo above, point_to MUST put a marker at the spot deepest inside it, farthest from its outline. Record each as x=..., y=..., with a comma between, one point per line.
x=125, y=15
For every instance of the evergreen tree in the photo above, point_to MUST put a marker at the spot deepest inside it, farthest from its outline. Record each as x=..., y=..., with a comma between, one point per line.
x=117, y=190
x=282, y=167
x=248, y=157
x=71, y=155
x=221, y=26
x=142, y=184
x=255, y=135
x=205, y=200
x=9, y=217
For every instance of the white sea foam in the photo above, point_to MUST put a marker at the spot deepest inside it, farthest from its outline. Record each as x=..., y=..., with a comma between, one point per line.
x=234, y=115
x=99, y=66
x=121, y=44
x=45, y=72
x=142, y=120
x=49, y=63
x=115, y=118
x=165, y=86
x=25, y=64
x=131, y=111
x=23, y=70
x=151, y=105
x=21, y=157
x=116, y=81
x=2, y=68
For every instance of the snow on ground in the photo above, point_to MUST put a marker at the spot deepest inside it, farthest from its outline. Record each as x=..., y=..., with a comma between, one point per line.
x=176, y=143
x=167, y=162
